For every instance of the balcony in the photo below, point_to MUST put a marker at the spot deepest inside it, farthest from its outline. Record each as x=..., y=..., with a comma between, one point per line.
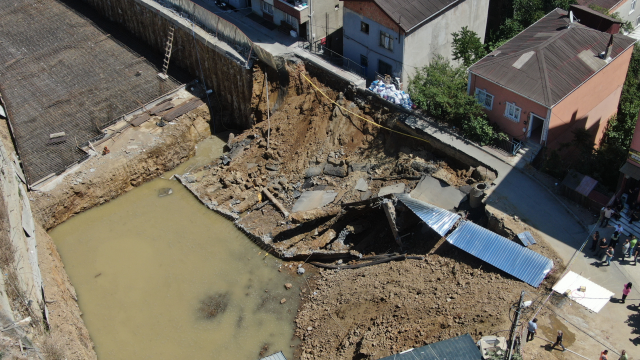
x=298, y=5
x=297, y=9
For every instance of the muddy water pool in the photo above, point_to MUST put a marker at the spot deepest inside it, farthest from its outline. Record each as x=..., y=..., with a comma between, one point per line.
x=143, y=265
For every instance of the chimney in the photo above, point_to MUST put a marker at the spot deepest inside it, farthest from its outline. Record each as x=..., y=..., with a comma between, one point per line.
x=607, y=53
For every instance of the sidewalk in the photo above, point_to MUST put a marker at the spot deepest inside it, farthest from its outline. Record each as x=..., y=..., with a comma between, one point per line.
x=517, y=193
x=276, y=42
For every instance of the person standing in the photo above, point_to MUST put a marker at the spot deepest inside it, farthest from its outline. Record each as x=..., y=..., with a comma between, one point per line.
x=602, y=248
x=618, y=228
x=594, y=241
x=603, y=355
x=625, y=248
x=614, y=239
x=531, y=329
x=624, y=356
x=626, y=290
x=607, y=216
x=608, y=255
x=636, y=251
x=559, y=340
x=632, y=245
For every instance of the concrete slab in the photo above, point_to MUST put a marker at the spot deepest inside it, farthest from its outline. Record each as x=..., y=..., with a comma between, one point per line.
x=362, y=185
x=392, y=189
x=438, y=193
x=310, y=200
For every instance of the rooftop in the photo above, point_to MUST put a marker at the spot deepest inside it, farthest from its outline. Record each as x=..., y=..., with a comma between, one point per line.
x=550, y=59
x=607, y=4
x=411, y=13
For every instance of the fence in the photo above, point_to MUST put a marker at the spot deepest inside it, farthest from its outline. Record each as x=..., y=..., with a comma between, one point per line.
x=333, y=57
x=510, y=146
x=221, y=29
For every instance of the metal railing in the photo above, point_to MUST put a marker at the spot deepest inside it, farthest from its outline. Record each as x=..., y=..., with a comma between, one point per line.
x=510, y=146
x=333, y=57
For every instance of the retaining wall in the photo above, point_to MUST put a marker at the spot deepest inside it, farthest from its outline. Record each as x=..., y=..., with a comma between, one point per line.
x=223, y=69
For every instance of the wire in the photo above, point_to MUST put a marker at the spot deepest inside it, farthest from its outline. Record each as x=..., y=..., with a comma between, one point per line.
x=354, y=114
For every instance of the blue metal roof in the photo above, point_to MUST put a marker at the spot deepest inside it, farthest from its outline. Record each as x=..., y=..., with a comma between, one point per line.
x=277, y=356
x=457, y=348
x=506, y=255
x=438, y=219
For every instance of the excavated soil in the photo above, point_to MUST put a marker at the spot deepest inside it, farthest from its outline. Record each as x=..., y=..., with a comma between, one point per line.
x=375, y=311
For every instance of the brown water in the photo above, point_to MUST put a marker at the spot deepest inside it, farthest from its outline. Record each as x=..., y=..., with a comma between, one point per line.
x=142, y=265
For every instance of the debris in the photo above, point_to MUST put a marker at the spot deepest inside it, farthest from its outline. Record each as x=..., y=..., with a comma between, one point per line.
x=483, y=174
x=362, y=185
x=288, y=286
x=283, y=301
x=300, y=270
x=392, y=189
x=335, y=170
x=368, y=263
x=313, y=171
x=105, y=151
x=310, y=200
x=314, y=214
x=165, y=192
x=390, y=212
x=276, y=203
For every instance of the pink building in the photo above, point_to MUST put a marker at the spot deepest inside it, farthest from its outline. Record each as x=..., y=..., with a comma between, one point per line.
x=552, y=78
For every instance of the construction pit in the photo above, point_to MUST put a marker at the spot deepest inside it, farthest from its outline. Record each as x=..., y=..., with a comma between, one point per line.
x=159, y=274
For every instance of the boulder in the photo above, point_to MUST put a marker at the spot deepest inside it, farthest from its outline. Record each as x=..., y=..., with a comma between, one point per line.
x=333, y=170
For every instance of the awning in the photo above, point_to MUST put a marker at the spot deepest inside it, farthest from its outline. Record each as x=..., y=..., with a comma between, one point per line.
x=631, y=170
x=506, y=255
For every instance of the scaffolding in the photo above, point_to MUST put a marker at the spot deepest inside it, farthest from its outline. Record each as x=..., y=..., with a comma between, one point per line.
x=59, y=72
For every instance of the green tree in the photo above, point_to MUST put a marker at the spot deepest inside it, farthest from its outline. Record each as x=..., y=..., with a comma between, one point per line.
x=526, y=12
x=467, y=46
x=441, y=89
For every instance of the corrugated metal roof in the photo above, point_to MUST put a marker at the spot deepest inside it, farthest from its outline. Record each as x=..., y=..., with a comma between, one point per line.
x=506, y=255
x=556, y=68
x=276, y=356
x=438, y=219
x=410, y=13
x=607, y=4
x=459, y=348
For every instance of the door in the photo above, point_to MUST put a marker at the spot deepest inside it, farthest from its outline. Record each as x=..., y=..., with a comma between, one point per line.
x=303, y=30
x=536, y=125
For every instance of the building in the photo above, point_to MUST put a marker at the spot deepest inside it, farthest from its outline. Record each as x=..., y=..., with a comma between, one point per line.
x=626, y=9
x=294, y=15
x=554, y=77
x=630, y=170
x=396, y=37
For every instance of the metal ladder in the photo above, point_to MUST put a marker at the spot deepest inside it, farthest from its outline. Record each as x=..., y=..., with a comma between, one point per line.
x=167, y=54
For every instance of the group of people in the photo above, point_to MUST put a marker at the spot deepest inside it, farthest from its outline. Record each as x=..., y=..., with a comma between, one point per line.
x=532, y=329
x=607, y=248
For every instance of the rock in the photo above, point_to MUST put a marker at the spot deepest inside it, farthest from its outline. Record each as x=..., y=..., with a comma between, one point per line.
x=309, y=328
x=334, y=161
x=313, y=171
x=483, y=174
x=362, y=185
x=443, y=175
x=359, y=167
x=288, y=286
x=283, y=301
x=332, y=170
x=272, y=167
x=190, y=179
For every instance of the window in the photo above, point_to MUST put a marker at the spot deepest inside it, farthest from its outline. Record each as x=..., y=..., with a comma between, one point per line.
x=638, y=21
x=364, y=27
x=268, y=8
x=291, y=20
x=484, y=98
x=633, y=6
x=386, y=41
x=364, y=61
x=512, y=112
x=337, y=7
x=384, y=68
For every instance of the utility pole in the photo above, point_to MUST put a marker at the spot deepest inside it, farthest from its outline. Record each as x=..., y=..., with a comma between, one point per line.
x=515, y=325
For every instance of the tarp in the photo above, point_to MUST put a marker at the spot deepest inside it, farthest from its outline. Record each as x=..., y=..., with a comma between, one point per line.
x=594, y=298
x=506, y=255
x=438, y=219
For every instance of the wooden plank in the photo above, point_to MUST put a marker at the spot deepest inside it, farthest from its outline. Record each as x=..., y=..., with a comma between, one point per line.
x=164, y=106
x=182, y=109
x=140, y=119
